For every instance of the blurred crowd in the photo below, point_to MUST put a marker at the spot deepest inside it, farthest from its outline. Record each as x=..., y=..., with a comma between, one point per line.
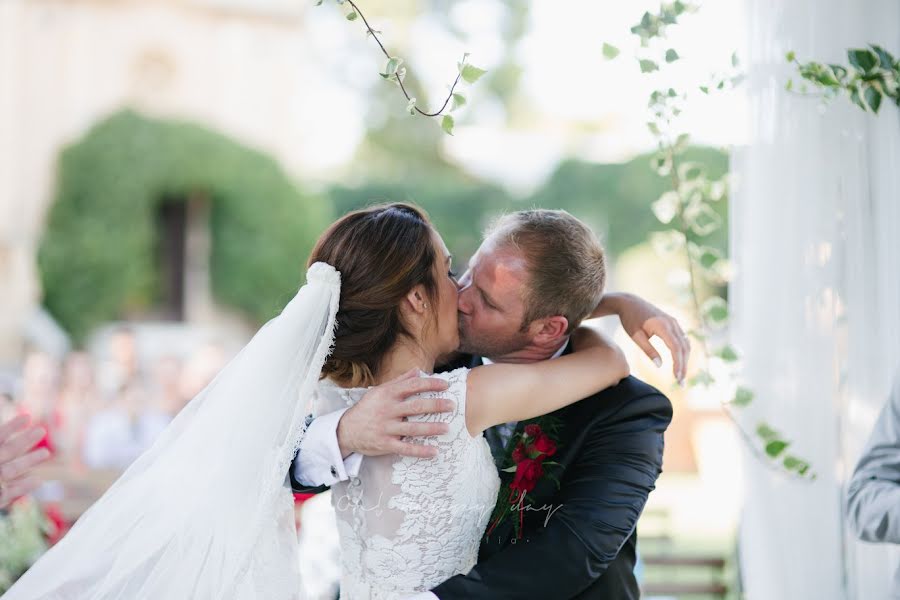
x=101, y=412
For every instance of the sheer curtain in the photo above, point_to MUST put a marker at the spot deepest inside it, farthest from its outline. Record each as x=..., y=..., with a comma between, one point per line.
x=816, y=298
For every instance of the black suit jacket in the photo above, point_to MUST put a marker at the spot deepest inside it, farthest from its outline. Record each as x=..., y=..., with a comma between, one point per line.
x=582, y=545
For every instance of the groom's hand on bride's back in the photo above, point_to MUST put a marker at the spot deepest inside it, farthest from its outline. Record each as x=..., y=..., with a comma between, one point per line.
x=377, y=424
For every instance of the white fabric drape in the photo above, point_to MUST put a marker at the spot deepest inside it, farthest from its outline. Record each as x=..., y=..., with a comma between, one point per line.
x=816, y=297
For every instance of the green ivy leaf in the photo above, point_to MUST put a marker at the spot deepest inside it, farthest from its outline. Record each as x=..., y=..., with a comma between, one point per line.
x=857, y=99
x=392, y=65
x=766, y=432
x=704, y=89
x=715, y=310
x=789, y=85
x=470, y=73
x=653, y=127
x=666, y=207
x=790, y=56
x=702, y=219
x=862, y=58
x=703, y=377
x=648, y=66
x=742, y=397
x=458, y=101
x=873, y=98
x=690, y=171
x=792, y=463
x=352, y=16
x=884, y=57
x=671, y=55
x=707, y=256
x=447, y=124
x=729, y=354
x=776, y=447
x=734, y=59
x=609, y=51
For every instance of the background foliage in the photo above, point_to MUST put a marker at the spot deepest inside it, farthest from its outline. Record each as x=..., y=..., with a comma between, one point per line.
x=97, y=253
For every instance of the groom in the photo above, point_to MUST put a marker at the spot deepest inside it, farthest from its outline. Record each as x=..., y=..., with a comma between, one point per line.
x=577, y=539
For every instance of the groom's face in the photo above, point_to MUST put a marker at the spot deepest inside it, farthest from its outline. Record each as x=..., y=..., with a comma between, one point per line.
x=491, y=301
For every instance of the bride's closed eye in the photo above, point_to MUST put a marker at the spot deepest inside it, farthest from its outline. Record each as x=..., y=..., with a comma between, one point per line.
x=452, y=274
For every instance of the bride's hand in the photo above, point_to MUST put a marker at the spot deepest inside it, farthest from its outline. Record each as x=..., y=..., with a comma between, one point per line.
x=642, y=321
x=376, y=424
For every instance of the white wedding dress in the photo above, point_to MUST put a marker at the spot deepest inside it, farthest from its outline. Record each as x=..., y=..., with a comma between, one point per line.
x=408, y=524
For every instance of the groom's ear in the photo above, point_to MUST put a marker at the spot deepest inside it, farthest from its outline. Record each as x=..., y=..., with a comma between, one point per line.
x=549, y=330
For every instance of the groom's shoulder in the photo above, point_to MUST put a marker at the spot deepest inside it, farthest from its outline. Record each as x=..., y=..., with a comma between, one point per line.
x=630, y=398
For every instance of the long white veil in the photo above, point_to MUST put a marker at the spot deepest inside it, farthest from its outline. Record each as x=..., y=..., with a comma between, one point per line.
x=205, y=514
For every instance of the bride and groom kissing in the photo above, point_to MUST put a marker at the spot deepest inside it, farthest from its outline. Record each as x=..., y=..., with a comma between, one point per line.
x=530, y=433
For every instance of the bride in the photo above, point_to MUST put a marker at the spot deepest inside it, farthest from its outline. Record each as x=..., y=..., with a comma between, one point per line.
x=206, y=514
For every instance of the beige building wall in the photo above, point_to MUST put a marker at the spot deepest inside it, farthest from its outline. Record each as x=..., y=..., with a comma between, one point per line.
x=242, y=68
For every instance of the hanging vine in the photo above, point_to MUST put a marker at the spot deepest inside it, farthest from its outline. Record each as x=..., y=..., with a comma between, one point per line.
x=687, y=208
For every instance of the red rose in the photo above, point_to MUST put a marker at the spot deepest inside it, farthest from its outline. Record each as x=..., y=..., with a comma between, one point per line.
x=527, y=474
x=518, y=454
x=532, y=430
x=545, y=445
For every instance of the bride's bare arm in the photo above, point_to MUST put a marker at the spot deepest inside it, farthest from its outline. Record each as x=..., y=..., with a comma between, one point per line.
x=501, y=393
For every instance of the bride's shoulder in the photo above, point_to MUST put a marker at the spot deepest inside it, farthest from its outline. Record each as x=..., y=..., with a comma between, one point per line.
x=455, y=376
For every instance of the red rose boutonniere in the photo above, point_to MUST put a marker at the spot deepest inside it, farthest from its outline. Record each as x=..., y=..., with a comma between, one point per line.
x=527, y=457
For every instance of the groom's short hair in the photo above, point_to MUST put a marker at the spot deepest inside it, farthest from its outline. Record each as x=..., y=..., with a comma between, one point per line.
x=566, y=263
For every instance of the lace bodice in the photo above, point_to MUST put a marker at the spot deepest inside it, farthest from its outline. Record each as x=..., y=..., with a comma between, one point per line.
x=408, y=524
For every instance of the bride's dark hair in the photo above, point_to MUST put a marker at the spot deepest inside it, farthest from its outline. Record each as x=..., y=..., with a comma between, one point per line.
x=382, y=252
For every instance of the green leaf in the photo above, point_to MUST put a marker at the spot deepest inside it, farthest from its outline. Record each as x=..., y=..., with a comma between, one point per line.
x=648, y=66
x=873, y=98
x=790, y=56
x=766, y=432
x=390, y=68
x=447, y=124
x=671, y=93
x=789, y=85
x=884, y=57
x=666, y=207
x=609, y=51
x=862, y=58
x=319, y=2
x=708, y=256
x=734, y=59
x=352, y=16
x=411, y=106
x=704, y=89
x=689, y=171
x=671, y=55
x=729, y=354
x=470, y=73
x=792, y=463
x=703, y=378
x=653, y=127
x=857, y=99
x=776, y=447
x=702, y=219
x=511, y=469
x=715, y=310
x=742, y=397
x=458, y=101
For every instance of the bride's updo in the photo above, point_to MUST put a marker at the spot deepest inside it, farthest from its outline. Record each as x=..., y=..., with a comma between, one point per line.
x=382, y=252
